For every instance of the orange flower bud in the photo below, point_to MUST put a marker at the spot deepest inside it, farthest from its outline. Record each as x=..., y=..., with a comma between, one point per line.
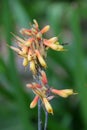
x=47, y=105
x=40, y=58
x=44, y=78
x=45, y=29
x=63, y=93
x=34, y=102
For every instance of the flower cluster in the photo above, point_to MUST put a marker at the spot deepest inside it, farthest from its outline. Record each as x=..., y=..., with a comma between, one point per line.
x=46, y=93
x=33, y=50
x=33, y=47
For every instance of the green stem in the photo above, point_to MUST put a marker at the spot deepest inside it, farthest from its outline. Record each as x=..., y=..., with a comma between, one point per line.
x=39, y=115
x=46, y=120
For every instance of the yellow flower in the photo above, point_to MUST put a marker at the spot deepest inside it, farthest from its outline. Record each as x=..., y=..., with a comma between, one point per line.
x=40, y=58
x=54, y=46
x=25, y=61
x=32, y=67
x=47, y=105
x=63, y=93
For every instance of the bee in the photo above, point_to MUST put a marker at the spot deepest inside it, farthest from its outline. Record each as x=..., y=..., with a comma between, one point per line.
x=65, y=43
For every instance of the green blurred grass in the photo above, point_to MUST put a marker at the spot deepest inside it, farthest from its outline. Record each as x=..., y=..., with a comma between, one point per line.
x=67, y=69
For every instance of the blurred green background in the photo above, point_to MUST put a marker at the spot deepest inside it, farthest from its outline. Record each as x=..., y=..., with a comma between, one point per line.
x=68, y=21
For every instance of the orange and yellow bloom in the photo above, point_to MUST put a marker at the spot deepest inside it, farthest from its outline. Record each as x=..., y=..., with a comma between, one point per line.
x=33, y=47
x=45, y=94
x=33, y=50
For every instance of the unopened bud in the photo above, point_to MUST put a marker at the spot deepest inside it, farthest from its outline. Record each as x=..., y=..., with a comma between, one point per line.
x=45, y=29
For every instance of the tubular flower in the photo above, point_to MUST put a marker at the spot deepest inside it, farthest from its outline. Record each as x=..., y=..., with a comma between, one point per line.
x=34, y=102
x=63, y=93
x=46, y=93
x=33, y=47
